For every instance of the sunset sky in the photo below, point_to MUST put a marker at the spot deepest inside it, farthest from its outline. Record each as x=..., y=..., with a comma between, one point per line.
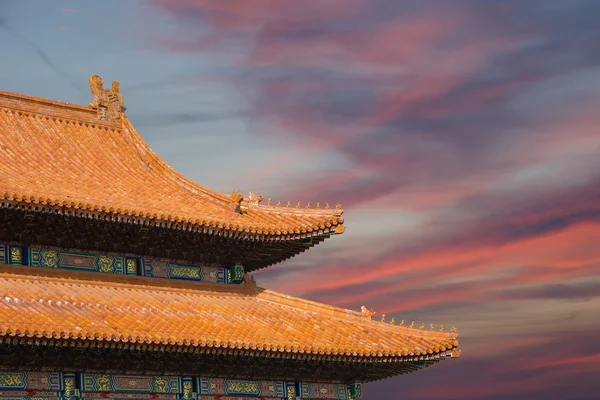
x=461, y=137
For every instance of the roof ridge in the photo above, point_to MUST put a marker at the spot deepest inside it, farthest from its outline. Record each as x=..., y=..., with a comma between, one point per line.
x=295, y=210
x=48, y=107
x=253, y=201
x=342, y=313
x=180, y=178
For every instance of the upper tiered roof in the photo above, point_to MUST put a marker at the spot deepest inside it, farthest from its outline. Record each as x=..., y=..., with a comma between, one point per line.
x=89, y=161
x=57, y=154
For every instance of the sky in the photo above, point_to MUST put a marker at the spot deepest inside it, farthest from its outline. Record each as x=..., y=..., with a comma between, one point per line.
x=461, y=138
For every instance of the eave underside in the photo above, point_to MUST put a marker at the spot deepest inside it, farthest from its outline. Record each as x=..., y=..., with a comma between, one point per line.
x=62, y=230
x=55, y=355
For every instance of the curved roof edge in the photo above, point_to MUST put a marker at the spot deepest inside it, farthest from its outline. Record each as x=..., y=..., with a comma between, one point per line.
x=135, y=185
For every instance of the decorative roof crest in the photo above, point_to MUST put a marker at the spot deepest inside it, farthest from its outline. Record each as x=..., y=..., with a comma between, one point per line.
x=108, y=103
x=368, y=314
x=254, y=199
x=236, y=201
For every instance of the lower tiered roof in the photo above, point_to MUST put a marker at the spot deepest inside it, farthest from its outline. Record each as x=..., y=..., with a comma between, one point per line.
x=65, y=306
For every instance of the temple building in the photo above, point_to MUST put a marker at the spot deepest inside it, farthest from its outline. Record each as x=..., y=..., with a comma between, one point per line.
x=122, y=279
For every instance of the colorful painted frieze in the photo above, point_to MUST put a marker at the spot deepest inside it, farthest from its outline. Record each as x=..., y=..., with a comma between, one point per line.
x=49, y=381
x=130, y=383
x=167, y=269
x=52, y=258
x=246, y=388
x=323, y=391
x=110, y=263
x=90, y=386
x=127, y=396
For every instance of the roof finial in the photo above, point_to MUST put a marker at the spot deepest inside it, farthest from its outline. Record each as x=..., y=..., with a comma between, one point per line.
x=236, y=200
x=269, y=202
x=422, y=327
x=289, y=204
x=318, y=206
x=366, y=313
x=382, y=317
x=116, y=105
x=412, y=324
x=107, y=103
x=308, y=205
x=401, y=323
x=278, y=203
x=298, y=205
x=441, y=328
x=393, y=321
x=327, y=206
x=454, y=330
x=431, y=327
x=254, y=199
x=338, y=206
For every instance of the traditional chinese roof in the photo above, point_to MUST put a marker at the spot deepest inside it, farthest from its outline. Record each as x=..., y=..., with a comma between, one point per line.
x=40, y=304
x=66, y=159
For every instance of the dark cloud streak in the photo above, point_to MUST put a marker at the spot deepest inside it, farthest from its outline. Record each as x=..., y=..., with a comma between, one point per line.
x=44, y=57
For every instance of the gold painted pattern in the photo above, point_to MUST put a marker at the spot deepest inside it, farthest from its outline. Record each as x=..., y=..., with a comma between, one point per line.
x=12, y=380
x=69, y=386
x=103, y=383
x=185, y=272
x=49, y=258
x=16, y=254
x=105, y=263
x=187, y=390
x=161, y=384
x=131, y=266
x=242, y=387
x=291, y=394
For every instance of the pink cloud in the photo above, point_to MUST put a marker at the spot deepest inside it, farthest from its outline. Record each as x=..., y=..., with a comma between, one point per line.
x=441, y=113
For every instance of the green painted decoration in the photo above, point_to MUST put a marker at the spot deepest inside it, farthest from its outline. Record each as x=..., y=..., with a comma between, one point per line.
x=112, y=263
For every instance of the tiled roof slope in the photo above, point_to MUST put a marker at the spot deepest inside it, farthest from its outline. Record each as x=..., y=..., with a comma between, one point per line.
x=60, y=155
x=73, y=307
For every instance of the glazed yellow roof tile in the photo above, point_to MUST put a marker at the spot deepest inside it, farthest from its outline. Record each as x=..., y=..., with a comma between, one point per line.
x=59, y=155
x=77, y=307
